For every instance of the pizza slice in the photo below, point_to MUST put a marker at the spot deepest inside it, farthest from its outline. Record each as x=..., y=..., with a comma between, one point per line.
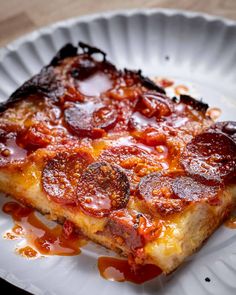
x=148, y=176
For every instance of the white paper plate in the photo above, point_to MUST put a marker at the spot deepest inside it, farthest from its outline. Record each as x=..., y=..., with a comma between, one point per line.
x=201, y=49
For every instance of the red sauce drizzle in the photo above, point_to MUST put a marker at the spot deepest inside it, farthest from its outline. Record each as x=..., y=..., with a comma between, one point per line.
x=48, y=241
x=28, y=252
x=119, y=270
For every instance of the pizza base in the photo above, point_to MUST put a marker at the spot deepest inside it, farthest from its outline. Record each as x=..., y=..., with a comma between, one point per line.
x=55, y=135
x=184, y=235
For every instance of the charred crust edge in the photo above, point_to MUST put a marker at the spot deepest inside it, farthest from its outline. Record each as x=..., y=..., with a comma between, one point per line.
x=148, y=83
x=145, y=81
x=90, y=50
x=194, y=103
x=46, y=82
x=66, y=51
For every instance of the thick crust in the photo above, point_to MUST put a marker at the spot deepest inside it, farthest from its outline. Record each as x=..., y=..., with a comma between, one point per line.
x=136, y=171
x=189, y=232
x=182, y=236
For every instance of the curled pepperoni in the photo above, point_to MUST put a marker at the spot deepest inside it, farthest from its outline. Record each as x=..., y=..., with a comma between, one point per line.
x=102, y=188
x=135, y=161
x=210, y=157
x=153, y=104
x=150, y=109
x=90, y=119
x=171, y=193
x=34, y=137
x=227, y=127
x=61, y=174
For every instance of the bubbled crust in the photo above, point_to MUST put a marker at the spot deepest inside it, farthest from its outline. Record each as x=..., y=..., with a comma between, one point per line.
x=109, y=148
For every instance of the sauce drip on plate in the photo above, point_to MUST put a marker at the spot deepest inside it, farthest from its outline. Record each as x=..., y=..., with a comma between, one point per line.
x=119, y=270
x=58, y=240
x=214, y=113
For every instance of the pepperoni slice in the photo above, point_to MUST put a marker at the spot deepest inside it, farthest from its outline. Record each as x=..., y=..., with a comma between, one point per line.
x=61, y=174
x=34, y=137
x=171, y=193
x=210, y=157
x=227, y=127
x=186, y=188
x=153, y=104
x=133, y=228
x=135, y=161
x=102, y=188
x=150, y=109
x=90, y=119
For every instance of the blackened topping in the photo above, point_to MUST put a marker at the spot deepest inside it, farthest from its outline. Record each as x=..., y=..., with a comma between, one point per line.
x=45, y=83
x=66, y=51
x=149, y=84
x=145, y=81
x=175, y=99
x=194, y=103
x=90, y=50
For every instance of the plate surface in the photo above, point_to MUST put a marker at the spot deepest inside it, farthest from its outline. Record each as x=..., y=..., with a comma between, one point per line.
x=188, y=47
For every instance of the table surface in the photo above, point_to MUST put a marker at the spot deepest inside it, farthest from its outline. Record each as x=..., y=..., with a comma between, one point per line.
x=18, y=17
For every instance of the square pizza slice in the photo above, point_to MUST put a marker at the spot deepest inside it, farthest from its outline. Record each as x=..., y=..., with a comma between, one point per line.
x=146, y=175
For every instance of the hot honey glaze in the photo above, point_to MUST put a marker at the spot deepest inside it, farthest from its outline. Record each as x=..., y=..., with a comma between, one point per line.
x=40, y=238
x=120, y=270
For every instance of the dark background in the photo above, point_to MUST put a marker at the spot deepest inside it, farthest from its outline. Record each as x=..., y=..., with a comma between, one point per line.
x=6, y=288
